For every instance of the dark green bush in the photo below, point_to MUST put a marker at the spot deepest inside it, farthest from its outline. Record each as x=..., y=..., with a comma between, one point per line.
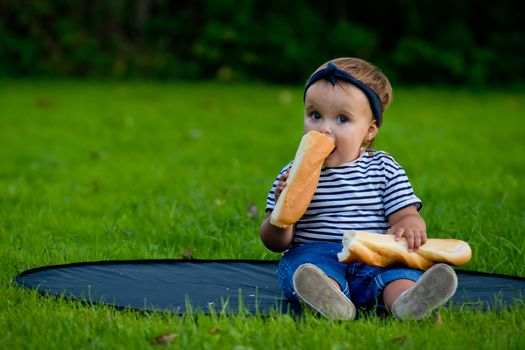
x=453, y=42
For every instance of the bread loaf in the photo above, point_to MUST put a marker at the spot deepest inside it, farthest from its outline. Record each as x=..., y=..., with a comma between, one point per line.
x=383, y=250
x=303, y=179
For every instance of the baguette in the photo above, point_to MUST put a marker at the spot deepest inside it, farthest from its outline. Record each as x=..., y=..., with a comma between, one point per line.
x=303, y=179
x=383, y=250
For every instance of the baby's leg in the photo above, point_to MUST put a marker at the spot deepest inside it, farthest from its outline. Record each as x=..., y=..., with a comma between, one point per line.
x=435, y=287
x=372, y=286
x=312, y=274
x=394, y=289
x=322, y=293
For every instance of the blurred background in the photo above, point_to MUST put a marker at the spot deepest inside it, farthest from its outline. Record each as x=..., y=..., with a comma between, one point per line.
x=467, y=42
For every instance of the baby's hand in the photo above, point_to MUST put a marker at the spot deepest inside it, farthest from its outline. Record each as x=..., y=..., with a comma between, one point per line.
x=281, y=184
x=413, y=228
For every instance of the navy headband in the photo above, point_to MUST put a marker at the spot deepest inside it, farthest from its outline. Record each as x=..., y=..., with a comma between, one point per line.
x=332, y=74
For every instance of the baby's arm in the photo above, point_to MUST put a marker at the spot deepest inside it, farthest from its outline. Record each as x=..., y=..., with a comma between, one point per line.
x=274, y=238
x=409, y=224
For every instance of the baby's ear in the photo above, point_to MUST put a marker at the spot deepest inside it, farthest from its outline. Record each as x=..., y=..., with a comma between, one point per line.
x=372, y=131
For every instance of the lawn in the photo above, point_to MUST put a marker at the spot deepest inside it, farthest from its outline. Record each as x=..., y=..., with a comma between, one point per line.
x=141, y=170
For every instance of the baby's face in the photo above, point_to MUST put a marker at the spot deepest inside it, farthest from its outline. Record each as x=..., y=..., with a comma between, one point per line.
x=343, y=113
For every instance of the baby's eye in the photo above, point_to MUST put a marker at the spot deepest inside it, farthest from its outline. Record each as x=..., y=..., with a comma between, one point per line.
x=315, y=116
x=342, y=119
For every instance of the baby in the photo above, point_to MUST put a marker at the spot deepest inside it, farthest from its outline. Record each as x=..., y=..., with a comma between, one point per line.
x=359, y=189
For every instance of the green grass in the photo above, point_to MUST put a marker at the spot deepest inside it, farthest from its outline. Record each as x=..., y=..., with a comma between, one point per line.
x=97, y=170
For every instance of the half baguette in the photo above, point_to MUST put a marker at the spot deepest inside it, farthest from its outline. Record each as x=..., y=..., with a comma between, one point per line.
x=383, y=250
x=303, y=179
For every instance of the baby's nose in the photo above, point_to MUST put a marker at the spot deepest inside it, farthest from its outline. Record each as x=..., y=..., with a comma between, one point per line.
x=325, y=128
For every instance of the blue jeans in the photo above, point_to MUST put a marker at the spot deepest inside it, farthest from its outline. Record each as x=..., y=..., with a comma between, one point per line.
x=361, y=283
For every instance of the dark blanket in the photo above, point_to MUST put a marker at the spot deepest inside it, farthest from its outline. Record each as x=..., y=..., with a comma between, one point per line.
x=231, y=286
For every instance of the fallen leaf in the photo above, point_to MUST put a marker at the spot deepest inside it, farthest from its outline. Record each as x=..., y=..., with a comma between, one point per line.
x=188, y=254
x=95, y=186
x=439, y=320
x=127, y=232
x=45, y=102
x=252, y=211
x=94, y=155
x=195, y=134
x=400, y=339
x=215, y=330
x=164, y=338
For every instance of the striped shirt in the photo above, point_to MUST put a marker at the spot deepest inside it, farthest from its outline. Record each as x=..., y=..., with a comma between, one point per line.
x=359, y=195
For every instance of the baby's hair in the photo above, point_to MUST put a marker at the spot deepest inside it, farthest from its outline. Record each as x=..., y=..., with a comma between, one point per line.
x=368, y=74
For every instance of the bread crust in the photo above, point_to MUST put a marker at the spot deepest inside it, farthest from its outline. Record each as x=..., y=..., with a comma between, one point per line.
x=303, y=179
x=383, y=250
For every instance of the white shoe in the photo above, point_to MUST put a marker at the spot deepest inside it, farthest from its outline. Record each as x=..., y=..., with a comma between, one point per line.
x=316, y=289
x=433, y=289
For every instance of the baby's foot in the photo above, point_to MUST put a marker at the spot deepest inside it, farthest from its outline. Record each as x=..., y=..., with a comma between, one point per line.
x=433, y=289
x=316, y=289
